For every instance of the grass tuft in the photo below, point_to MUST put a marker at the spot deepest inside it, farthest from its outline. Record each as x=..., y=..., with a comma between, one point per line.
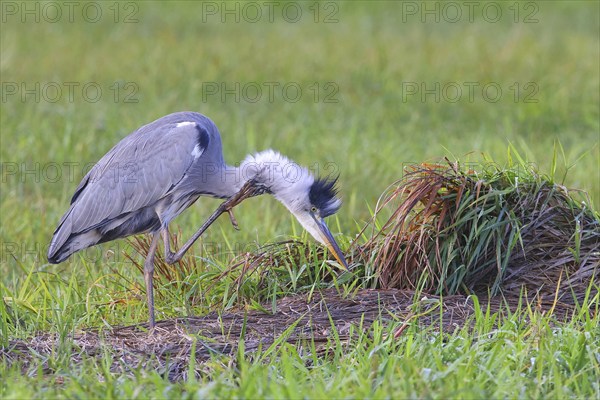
x=456, y=230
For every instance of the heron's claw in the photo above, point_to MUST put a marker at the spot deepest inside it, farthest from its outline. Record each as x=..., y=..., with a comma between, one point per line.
x=233, y=220
x=248, y=190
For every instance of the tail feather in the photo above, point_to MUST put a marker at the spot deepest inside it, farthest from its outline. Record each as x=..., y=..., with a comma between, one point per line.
x=58, y=252
x=68, y=239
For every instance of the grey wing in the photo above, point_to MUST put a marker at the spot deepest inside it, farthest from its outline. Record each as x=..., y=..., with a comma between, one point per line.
x=140, y=170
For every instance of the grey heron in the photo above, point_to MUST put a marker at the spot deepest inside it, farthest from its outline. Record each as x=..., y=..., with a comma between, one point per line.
x=159, y=170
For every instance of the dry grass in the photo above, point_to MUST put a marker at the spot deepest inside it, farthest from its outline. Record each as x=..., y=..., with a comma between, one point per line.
x=458, y=231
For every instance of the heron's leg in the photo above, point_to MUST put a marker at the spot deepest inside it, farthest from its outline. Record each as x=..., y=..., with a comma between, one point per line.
x=167, y=243
x=248, y=190
x=148, y=274
x=171, y=257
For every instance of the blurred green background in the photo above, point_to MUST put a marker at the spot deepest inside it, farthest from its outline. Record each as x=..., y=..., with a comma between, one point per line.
x=358, y=88
x=382, y=84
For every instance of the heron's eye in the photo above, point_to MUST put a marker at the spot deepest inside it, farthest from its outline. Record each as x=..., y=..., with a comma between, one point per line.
x=313, y=209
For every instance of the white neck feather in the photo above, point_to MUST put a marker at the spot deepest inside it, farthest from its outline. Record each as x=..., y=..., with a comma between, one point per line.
x=286, y=180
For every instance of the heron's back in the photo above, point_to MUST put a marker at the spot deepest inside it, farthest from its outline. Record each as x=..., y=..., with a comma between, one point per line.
x=139, y=184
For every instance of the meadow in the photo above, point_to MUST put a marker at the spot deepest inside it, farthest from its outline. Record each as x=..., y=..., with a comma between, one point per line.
x=360, y=89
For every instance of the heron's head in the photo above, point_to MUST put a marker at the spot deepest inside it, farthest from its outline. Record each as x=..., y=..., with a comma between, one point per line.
x=310, y=199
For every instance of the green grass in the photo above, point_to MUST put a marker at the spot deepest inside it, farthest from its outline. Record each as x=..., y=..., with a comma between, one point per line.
x=367, y=135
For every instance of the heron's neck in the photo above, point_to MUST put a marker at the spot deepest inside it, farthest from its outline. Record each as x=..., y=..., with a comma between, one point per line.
x=226, y=180
x=275, y=173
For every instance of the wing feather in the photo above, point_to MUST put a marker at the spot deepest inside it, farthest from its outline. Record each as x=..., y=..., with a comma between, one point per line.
x=143, y=171
x=140, y=170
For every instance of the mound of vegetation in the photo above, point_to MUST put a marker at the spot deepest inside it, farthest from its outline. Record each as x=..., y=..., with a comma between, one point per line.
x=453, y=230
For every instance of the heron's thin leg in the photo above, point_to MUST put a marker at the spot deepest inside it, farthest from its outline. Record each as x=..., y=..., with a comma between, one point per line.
x=171, y=258
x=148, y=274
x=248, y=190
x=167, y=243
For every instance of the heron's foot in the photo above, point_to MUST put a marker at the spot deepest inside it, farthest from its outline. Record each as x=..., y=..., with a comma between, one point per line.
x=233, y=220
x=250, y=189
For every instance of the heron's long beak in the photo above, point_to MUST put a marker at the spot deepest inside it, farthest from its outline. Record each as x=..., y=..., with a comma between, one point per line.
x=329, y=241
